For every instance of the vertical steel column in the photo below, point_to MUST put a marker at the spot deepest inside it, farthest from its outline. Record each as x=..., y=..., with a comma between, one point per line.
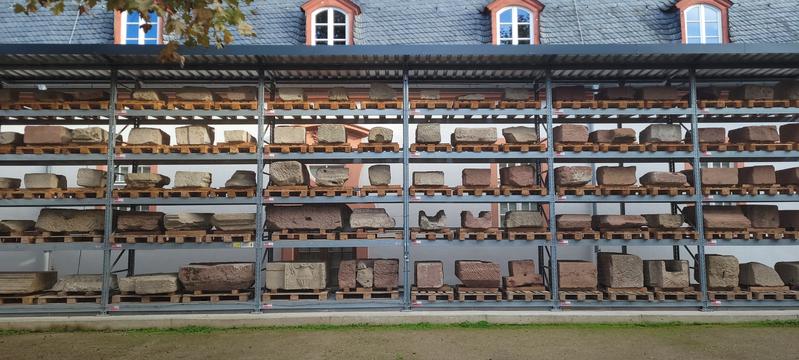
x=109, y=188
x=699, y=222
x=553, y=257
x=406, y=233
x=260, y=210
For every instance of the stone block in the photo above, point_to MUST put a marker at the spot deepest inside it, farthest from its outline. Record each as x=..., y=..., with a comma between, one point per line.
x=49, y=96
x=789, y=219
x=709, y=93
x=347, y=271
x=517, y=176
x=570, y=134
x=10, y=138
x=331, y=176
x=190, y=179
x=611, y=222
x=719, y=217
x=140, y=221
x=757, y=175
x=45, y=181
x=194, y=94
x=238, y=137
x=16, y=226
x=188, y=221
x=288, y=173
x=145, y=95
x=381, y=92
x=91, y=178
x=26, y=282
x=241, y=179
x=713, y=135
x=755, y=134
x=296, y=276
x=217, y=276
x=660, y=133
x=525, y=219
x=620, y=270
x=237, y=93
x=568, y=93
x=789, y=272
x=428, y=134
x=788, y=176
x=10, y=183
x=762, y=216
x=787, y=90
x=476, y=177
x=482, y=221
x=520, y=135
x=365, y=273
x=379, y=175
x=522, y=273
x=331, y=134
x=194, y=135
x=429, y=94
x=291, y=94
x=663, y=178
x=516, y=94
x=150, y=284
x=370, y=218
x=757, y=274
x=337, y=94
x=616, y=175
x=8, y=95
x=788, y=133
x=613, y=136
x=472, y=97
x=752, y=92
x=380, y=135
x=722, y=271
x=573, y=175
x=234, y=222
x=577, y=274
x=658, y=93
x=663, y=221
x=573, y=222
x=429, y=274
x=314, y=217
x=145, y=180
x=90, y=135
x=386, y=273
x=478, y=274
x=47, y=135
x=83, y=283
x=148, y=136
x=474, y=136
x=714, y=176
x=434, y=222
x=289, y=135
x=667, y=274
x=617, y=93
x=428, y=178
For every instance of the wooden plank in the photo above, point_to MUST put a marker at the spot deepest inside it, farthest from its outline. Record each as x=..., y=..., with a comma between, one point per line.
x=513, y=294
x=233, y=192
x=478, y=294
x=590, y=147
x=185, y=193
x=477, y=147
x=669, y=190
x=381, y=105
x=430, y=190
x=577, y=191
x=579, y=295
x=431, y=104
x=221, y=236
x=236, y=148
x=431, y=148
x=138, y=193
x=192, y=149
x=477, y=191
x=216, y=297
x=285, y=148
x=286, y=191
x=142, y=149
x=527, y=234
x=288, y=105
x=135, y=237
x=329, y=148
x=633, y=190
x=439, y=234
x=523, y=147
x=366, y=294
x=381, y=190
x=140, y=105
x=669, y=147
x=579, y=235
x=445, y=293
x=524, y=191
x=378, y=147
x=145, y=299
x=182, y=236
x=294, y=295
x=331, y=191
x=479, y=234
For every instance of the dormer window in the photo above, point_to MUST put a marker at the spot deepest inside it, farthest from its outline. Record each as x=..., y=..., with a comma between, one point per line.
x=704, y=21
x=330, y=22
x=515, y=22
x=132, y=31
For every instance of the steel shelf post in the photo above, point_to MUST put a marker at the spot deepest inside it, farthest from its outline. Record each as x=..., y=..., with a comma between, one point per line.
x=109, y=188
x=553, y=257
x=260, y=210
x=406, y=199
x=699, y=222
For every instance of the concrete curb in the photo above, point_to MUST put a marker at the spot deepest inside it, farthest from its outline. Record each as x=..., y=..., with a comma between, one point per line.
x=123, y=322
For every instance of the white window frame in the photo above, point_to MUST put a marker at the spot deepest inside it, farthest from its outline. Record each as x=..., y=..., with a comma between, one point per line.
x=515, y=25
x=703, y=36
x=141, y=38
x=330, y=26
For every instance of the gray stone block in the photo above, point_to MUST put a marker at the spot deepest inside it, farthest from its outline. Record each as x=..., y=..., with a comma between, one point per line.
x=288, y=173
x=660, y=133
x=10, y=183
x=474, y=136
x=435, y=222
x=789, y=272
x=332, y=176
x=148, y=136
x=573, y=175
x=520, y=135
x=381, y=92
x=664, y=221
x=620, y=270
x=91, y=178
x=45, y=181
x=145, y=180
x=194, y=135
x=370, y=218
x=379, y=175
x=380, y=135
x=188, y=221
x=289, y=135
x=241, y=179
x=757, y=274
x=331, y=134
x=238, y=136
x=428, y=178
x=234, y=221
x=191, y=179
x=428, y=134
x=667, y=274
x=525, y=219
x=217, y=276
x=722, y=271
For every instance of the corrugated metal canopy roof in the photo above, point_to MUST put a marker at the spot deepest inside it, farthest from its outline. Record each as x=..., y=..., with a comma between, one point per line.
x=450, y=62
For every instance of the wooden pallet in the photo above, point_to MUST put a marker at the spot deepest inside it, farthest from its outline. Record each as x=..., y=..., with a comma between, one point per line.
x=520, y=104
x=431, y=148
x=142, y=149
x=527, y=234
x=140, y=105
x=32, y=105
x=135, y=237
x=579, y=295
x=334, y=105
x=770, y=103
x=27, y=237
x=444, y=293
x=294, y=295
x=721, y=147
x=7, y=149
x=669, y=147
x=440, y=234
x=430, y=190
x=367, y=294
x=190, y=105
x=215, y=297
x=623, y=148
x=431, y=104
x=145, y=299
x=766, y=234
x=523, y=147
x=477, y=147
x=26, y=299
x=575, y=104
x=672, y=234
x=579, y=235
x=770, y=147
x=84, y=149
x=681, y=294
x=82, y=193
x=319, y=234
x=478, y=294
x=381, y=105
x=285, y=148
x=770, y=190
x=47, y=238
x=138, y=193
x=38, y=149
x=289, y=105
x=192, y=149
x=182, y=236
x=778, y=293
x=633, y=190
x=236, y=105
x=233, y=192
x=527, y=294
x=726, y=234
x=476, y=191
x=378, y=147
x=236, y=148
x=621, y=104
x=624, y=234
x=68, y=298
x=720, y=104
x=474, y=104
x=723, y=190
x=524, y=191
x=222, y=236
x=479, y=234
x=381, y=190
x=665, y=104
x=286, y=191
x=32, y=194
x=370, y=234
x=577, y=191
x=669, y=190
x=187, y=192
x=561, y=147
x=728, y=294
x=329, y=148
x=629, y=294
x=330, y=191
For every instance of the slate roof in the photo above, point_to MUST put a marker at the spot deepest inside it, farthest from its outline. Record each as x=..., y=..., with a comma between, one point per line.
x=282, y=22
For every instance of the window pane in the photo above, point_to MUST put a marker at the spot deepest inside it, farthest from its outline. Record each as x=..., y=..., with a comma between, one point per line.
x=524, y=32
x=524, y=41
x=321, y=17
x=339, y=32
x=151, y=41
x=133, y=30
x=338, y=17
x=506, y=15
x=712, y=29
x=321, y=32
x=692, y=14
x=693, y=29
x=711, y=14
x=153, y=31
x=339, y=42
x=133, y=17
x=713, y=40
x=523, y=16
x=506, y=42
x=505, y=31
x=692, y=40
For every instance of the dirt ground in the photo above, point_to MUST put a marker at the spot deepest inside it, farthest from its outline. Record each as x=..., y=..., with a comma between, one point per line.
x=589, y=342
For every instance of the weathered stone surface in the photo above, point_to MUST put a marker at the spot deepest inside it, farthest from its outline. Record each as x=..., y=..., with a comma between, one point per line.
x=434, y=222
x=616, y=175
x=428, y=133
x=291, y=94
x=713, y=135
x=91, y=178
x=566, y=93
x=381, y=92
x=238, y=136
x=516, y=94
x=8, y=95
x=10, y=183
x=482, y=221
x=517, y=176
x=194, y=94
x=347, y=270
x=370, y=218
x=667, y=274
x=237, y=93
x=617, y=93
x=148, y=136
x=316, y=217
x=570, y=134
x=722, y=271
x=380, y=135
x=234, y=221
x=663, y=178
x=522, y=273
x=524, y=219
x=379, y=175
x=140, y=221
x=289, y=135
x=620, y=270
x=573, y=175
x=331, y=134
x=45, y=181
x=187, y=179
x=150, y=284
x=752, y=92
x=16, y=226
x=788, y=133
x=612, y=136
x=719, y=217
x=10, y=138
x=658, y=93
x=27, y=282
x=429, y=94
x=789, y=219
x=609, y=222
x=47, y=135
x=576, y=274
x=332, y=176
x=660, y=133
x=83, y=283
x=386, y=273
x=663, y=221
x=145, y=95
x=217, y=276
x=90, y=135
x=714, y=176
x=429, y=274
x=573, y=222
x=755, y=134
x=296, y=276
x=474, y=136
x=762, y=216
x=364, y=274
x=337, y=94
x=49, y=96
x=520, y=135
x=757, y=175
x=145, y=180
x=472, y=97
x=478, y=274
x=789, y=272
x=195, y=135
x=188, y=221
x=288, y=173
x=787, y=90
x=428, y=178
x=241, y=178
x=709, y=93
x=788, y=176
x=476, y=177
x=757, y=274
